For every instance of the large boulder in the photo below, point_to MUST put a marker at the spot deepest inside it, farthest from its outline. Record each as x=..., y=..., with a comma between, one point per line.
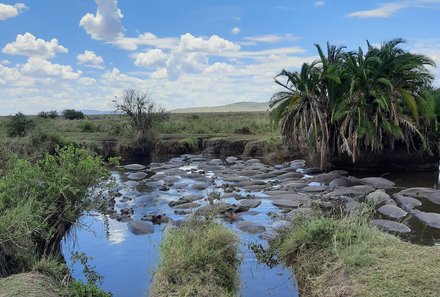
x=391, y=226
x=140, y=228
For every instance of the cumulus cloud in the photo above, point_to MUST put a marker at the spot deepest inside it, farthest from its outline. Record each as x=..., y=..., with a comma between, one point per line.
x=90, y=59
x=213, y=44
x=271, y=38
x=152, y=58
x=28, y=45
x=10, y=11
x=43, y=67
x=319, y=3
x=235, y=30
x=106, y=23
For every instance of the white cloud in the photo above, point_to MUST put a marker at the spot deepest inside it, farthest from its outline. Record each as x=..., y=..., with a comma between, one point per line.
x=90, y=59
x=389, y=9
x=271, y=38
x=42, y=67
x=235, y=30
x=213, y=44
x=148, y=39
x=319, y=3
x=106, y=23
x=28, y=45
x=10, y=11
x=152, y=58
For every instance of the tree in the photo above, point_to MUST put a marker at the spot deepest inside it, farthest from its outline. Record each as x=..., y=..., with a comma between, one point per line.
x=19, y=125
x=72, y=114
x=349, y=102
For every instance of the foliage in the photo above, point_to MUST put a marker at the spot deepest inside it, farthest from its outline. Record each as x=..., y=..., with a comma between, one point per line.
x=48, y=114
x=19, y=125
x=87, y=127
x=197, y=259
x=40, y=201
x=72, y=114
x=348, y=102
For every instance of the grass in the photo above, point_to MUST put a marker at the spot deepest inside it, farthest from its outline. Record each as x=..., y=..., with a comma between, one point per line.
x=346, y=256
x=197, y=259
x=31, y=284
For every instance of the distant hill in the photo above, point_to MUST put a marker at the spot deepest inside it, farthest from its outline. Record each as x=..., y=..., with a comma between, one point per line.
x=233, y=107
x=98, y=112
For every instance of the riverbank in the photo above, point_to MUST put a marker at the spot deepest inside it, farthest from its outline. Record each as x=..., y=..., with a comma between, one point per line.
x=346, y=256
x=31, y=284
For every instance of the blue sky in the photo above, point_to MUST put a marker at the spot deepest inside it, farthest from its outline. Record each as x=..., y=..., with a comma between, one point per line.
x=82, y=53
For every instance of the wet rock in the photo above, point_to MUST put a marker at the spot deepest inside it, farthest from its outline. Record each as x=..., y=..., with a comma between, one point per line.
x=180, y=185
x=268, y=175
x=134, y=167
x=339, y=172
x=312, y=170
x=287, y=175
x=137, y=175
x=341, y=182
x=432, y=195
x=297, y=164
x=392, y=211
x=235, y=178
x=158, y=176
x=362, y=189
x=231, y=159
x=187, y=205
x=171, y=179
x=377, y=182
x=250, y=183
x=131, y=183
x=140, y=228
x=378, y=197
x=391, y=226
x=157, y=219
x=250, y=203
x=197, y=159
x=430, y=219
x=215, y=162
x=248, y=172
x=130, y=194
x=200, y=186
x=286, y=203
x=255, y=188
x=314, y=189
x=252, y=161
x=293, y=185
x=407, y=203
x=250, y=227
x=325, y=178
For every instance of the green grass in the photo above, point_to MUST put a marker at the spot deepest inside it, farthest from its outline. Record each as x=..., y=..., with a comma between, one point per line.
x=197, y=259
x=346, y=256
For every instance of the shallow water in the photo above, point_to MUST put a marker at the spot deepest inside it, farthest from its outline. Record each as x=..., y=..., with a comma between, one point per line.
x=127, y=261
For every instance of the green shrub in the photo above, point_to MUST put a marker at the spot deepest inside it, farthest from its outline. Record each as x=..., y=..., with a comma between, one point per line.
x=72, y=114
x=87, y=127
x=48, y=114
x=19, y=125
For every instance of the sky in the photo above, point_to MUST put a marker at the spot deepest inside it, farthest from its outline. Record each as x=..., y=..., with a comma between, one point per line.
x=82, y=54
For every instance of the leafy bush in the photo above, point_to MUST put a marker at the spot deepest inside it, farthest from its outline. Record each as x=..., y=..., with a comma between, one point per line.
x=87, y=127
x=19, y=125
x=72, y=114
x=40, y=202
x=48, y=114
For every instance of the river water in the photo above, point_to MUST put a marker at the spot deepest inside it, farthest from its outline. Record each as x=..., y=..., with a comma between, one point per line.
x=127, y=261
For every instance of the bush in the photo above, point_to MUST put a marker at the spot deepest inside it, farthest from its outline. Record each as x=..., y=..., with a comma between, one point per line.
x=87, y=127
x=48, y=114
x=72, y=114
x=19, y=125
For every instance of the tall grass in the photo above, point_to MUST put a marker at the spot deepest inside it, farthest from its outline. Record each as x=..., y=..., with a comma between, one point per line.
x=197, y=259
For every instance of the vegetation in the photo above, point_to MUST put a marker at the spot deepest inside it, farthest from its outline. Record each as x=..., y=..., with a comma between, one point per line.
x=197, y=259
x=48, y=114
x=19, y=125
x=350, y=102
x=346, y=256
x=40, y=201
x=71, y=114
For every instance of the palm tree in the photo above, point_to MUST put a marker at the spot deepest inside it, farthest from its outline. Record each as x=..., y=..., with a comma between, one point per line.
x=350, y=102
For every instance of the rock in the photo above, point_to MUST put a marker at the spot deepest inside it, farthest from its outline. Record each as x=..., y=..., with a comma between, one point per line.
x=289, y=175
x=158, y=176
x=187, y=205
x=197, y=159
x=391, y=226
x=362, y=189
x=250, y=227
x=314, y=189
x=377, y=182
x=139, y=227
x=235, y=178
x=432, y=195
x=250, y=183
x=407, y=203
x=255, y=188
x=137, y=175
x=378, y=197
x=215, y=162
x=298, y=212
x=296, y=185
x=286, y=202
x=250, y=203
x=430, y=219
x=134, y=167
x=171, y=179
x=268, y=175
x=200, y=186
x=231, y=159
x=252, y=161
x=192, y=197
x=341, y=182
x=392, y=211
x=312, y=170
x=325, y=178
x=131, y=183
x=297, y=164
x=248, y=172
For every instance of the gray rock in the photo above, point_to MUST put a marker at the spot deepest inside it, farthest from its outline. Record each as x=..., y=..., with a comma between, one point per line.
x=250, y=227
x=252, y=161
x=188, y=205
x=139, y=227
x=134, y=167
x=362, y=189
x=352, y=206
x=430, y=219
x=377, y=182
x=286, y=203
x=392, y=211
x=325, y=178
x=312, y=170
x=200, y=186
x=299, y=211
x=391, y=226
x=289, y=175
x=268, y=175
x=231, y=159
x=137, y=175
x=248, y=172
x=158, y=176
x=432, y=195
x=250, y=203
x=314, y=189
x=378, y=197
x=235, y=178
x=341, y=182
x=407, y=203
x=131, y=183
